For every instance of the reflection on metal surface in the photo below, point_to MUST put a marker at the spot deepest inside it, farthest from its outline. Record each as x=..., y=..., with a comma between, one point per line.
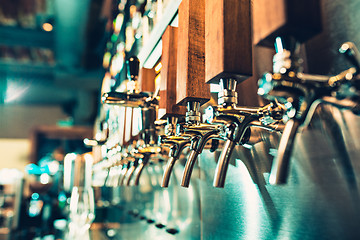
x=301, y=93
x=253, y=201
x=253, y=209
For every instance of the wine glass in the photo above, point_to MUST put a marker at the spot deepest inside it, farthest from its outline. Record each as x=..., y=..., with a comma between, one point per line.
x=82, y=212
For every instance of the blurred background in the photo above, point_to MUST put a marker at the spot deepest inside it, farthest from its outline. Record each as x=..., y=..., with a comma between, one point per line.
x=50, y=69
x=50, y=75
x=57, y=56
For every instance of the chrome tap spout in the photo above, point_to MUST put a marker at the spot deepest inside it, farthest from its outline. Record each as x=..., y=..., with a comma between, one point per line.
x=177, y=144
x=237, y=122
x=235, y=131
x=280, y=167
x=301, y=93
x=201, y=133
x=146, y=153
x=223, y=163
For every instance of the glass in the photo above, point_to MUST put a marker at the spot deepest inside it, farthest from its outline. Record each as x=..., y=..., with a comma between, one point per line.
x=82, y=212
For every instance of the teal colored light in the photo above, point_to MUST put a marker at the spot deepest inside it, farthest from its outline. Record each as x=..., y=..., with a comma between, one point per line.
x=114, y=38
x=35, y=196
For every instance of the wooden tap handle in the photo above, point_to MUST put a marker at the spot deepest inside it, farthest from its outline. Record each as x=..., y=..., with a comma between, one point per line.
x=228, y=41
x=167, y=103
x=300, y=19
x=191, y=84
x=147, y=80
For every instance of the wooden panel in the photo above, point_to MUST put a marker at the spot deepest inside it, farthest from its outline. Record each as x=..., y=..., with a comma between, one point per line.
x=167, y=102
x=298, y=18
x=228, y=43
x=147, y=80
x=191, y=84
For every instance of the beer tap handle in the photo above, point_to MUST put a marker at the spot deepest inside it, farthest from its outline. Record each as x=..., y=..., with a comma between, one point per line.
x=190, y=86
x=168, y=80
x=223, y=47
x=131, y=98
x=121, y=174
x=133, y=64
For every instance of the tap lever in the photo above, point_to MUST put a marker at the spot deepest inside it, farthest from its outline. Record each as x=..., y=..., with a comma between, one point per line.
x=124, y=168
x=125, y=98
x=352, y=54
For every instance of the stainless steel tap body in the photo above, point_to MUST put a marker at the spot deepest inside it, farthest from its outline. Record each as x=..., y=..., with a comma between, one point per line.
x=298, y=92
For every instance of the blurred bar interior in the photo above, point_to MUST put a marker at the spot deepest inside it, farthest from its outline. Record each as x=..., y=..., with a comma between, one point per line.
x=179, y=119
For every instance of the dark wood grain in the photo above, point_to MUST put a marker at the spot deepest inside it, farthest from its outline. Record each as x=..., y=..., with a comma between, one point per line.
x=147, y=80
x=298, y=18
x=167, y=104
x=228, y=43
x=191, y=84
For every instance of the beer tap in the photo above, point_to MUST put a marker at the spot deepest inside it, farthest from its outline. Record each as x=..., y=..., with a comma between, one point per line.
x=199, y=133
x=169, y=110
x=100, y=137
x=301, y=93
x=130, y=161
x=146, y=152
x=191, y=90
x=288, y=85
x=134, y=163
x=224, y=67
x=237, y=122
x=176, y=144
x=147, y=102
x=126, y=163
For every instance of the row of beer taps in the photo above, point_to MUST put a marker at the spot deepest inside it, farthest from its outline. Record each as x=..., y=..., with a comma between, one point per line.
x=292, y=95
